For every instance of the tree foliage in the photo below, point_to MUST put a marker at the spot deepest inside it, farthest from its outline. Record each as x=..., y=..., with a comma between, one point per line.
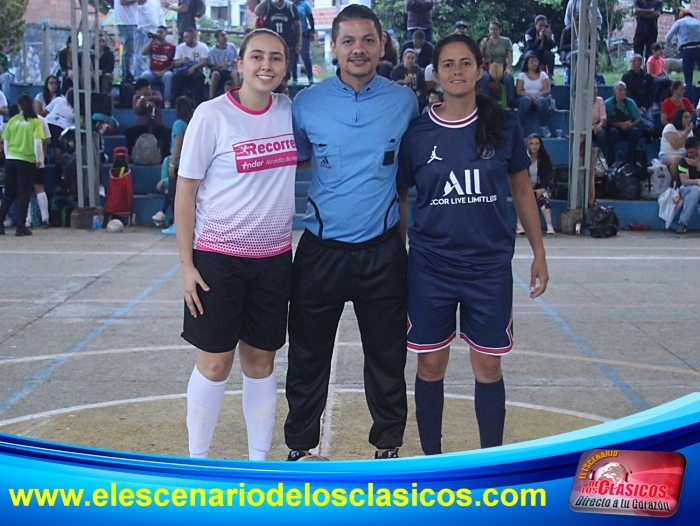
x=11, y=24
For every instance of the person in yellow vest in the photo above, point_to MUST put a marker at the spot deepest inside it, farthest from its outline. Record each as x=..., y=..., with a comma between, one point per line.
x=22, y=137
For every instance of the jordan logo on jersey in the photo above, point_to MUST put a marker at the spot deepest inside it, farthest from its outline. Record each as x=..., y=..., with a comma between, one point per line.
x=466, y=193
x=433, y=156
x=264, y=154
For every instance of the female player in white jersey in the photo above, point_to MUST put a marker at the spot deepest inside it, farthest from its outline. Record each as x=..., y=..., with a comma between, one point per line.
x=233, y=211
x=463, y=157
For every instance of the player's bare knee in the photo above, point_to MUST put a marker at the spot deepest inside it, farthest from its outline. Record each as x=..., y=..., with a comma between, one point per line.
x=432, y=366
x=215, y=367
x=256, y=363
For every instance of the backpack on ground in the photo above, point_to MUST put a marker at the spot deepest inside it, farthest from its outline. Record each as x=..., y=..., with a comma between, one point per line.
x=146, y=151
x=602, y=221
x=200, y=8
x=60, y=210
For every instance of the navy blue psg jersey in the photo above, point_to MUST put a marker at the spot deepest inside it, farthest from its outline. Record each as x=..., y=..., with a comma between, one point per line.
x=460, y=218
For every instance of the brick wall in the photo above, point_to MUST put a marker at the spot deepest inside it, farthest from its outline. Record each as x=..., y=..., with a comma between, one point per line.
x=57, y=11
x=666, y=20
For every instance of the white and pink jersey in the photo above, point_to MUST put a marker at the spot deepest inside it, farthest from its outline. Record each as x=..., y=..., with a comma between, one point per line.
x=247, y=163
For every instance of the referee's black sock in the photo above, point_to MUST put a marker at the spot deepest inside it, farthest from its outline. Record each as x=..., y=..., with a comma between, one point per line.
x=490, y=407
x=430, y=400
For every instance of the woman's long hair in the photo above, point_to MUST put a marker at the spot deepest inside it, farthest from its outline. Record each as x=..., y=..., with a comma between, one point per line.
x=678, y=118
x=490, y=133
x=48, y=96
x=391, y=54
x=26, y=103
x=183, y=109
x=524, y=67
x=544, y=161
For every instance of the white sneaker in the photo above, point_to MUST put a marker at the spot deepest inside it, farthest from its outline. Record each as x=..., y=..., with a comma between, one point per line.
x=159, y=217
x=519, y=229
x=8, y=222
x=550, y=231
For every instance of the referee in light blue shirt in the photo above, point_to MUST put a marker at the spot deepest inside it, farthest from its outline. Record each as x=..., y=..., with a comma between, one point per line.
x=686, y=30
x=349, y=127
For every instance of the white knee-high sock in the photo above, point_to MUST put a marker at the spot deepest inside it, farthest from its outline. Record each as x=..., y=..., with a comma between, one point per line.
x=204, y=400
x=43, y=202
x=259, y=405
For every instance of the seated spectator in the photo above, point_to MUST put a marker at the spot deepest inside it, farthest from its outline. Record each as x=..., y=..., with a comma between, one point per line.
x=565, y=48
x=599, y=122
x=655, y=67
x=640, y=87
x=148, y=108
x=65, y=61
x=409, y=74
x=540, y=172
x=460, y=27
x=60, y=115
x=689, y=171
x=183, y=107
x=532, y=89
x=160, y=65
x=5, y=75
x=674, y=102
x=222, y=62
x=422, y=49
x=106, y=65
x=390, y=58
x=190, y=60
x=673, y=139
x=44, y=98
x=497, y=50
x=434, y=97
x=624, y=122
x=430, y=79
x=539, y=39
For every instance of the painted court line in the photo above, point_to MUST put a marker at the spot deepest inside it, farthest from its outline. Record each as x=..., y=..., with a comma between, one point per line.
x=581, y=344
x=157, y=398
x=55, y=364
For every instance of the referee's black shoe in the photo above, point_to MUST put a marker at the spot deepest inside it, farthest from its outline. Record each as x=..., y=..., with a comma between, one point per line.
x=296, y=454
x=389, y=453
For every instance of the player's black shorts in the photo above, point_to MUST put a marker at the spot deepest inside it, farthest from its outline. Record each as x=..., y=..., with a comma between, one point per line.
x=39, y=176
x=247, y=300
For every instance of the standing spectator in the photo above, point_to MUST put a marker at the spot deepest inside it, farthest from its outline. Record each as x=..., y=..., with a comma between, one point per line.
x=24, y=152
x=421, y=47
x=183, y=109
x=573, y=8
x=689, y=171
x=222, y=62
x=190, y=60
x=410, y=75
x=686, y=30
x=498, y=50
x=655, y=67
x=647, y=30
x=282, y=17
x=624, y=122
x=126, y=20
x=540, y=40
x=160, y=67
x=65, y=62
x=674, y=102
x=185, y=16
x=350, y=253
x=45, y=97
x=532, y=89
x=308, y=34
x=147, y=105
x=150, y=17
x=640, y=87
x=460, y=27
x=5, y=76
x=420, y=17
x=3, y=107
x=105, y=65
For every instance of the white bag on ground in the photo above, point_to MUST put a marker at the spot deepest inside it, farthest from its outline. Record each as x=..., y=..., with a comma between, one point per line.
x=659, y=180
x=670, y=203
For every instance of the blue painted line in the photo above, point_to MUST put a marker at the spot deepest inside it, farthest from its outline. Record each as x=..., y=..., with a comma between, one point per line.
x=46, y=371
x=581, y=344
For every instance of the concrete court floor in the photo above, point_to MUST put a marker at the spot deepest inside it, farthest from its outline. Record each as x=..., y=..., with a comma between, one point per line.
x=90, y=351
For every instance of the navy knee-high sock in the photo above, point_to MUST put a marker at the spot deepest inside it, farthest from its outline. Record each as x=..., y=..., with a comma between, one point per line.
x=490, y=407
x=430, y=400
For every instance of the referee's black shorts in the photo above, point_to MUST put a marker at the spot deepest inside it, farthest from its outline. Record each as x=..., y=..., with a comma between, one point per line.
x=247, y=300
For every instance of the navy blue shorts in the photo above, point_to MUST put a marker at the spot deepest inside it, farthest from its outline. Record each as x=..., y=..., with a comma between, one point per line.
x=486, y=309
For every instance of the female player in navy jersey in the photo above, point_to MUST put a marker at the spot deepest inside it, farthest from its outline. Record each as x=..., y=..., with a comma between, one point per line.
x=233, y=210
x=463, y=157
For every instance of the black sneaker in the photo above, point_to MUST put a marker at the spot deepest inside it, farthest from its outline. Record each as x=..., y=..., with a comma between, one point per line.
x=296, y=454
x=389, y=453
x=2, y=229
x=23, y=231
x=682, y=229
